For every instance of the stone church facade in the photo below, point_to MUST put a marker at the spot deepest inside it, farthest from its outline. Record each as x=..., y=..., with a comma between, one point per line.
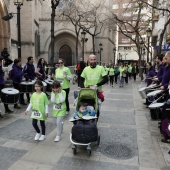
x=36, y=35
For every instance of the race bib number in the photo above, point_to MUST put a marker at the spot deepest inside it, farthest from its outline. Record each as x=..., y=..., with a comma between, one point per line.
x=36, y=114
x=57, y=106
x=61, y=81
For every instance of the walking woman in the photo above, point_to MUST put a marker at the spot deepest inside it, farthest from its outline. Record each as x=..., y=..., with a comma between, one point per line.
x=111, y=74
x=63, y=76
x=116, y=69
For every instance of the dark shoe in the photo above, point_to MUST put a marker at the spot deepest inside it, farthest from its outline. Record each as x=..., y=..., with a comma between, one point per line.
x=145, y=103
x=17, y=107
x=1, y=116
x=9, y=111
x=23, y=103
x=165, y=140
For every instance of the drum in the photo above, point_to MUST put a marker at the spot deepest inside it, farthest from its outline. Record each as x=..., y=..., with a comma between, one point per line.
x=142, y=92
x=155, y=110
x=44, y=86
x=151, y=86
x=49, y=83
x=27, y=87
x=154, y=93
x=9, y=95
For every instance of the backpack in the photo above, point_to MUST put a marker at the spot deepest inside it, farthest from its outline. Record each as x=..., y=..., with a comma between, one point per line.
x=78, y=67
x=11, y=74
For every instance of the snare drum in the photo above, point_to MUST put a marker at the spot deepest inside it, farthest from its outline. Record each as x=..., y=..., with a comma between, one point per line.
x=142, y=92
x=27, y=87
x=49, y=83
x=9, y=95
x=151, y=86
x=154, y=93
x=155, y=110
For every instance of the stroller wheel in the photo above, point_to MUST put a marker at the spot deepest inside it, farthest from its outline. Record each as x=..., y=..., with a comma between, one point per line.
x=74, y=150
x=89, y=152
x=98, y=140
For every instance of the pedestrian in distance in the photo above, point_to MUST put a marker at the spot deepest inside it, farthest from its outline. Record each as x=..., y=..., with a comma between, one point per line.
x=58, y=97
x=39, y=104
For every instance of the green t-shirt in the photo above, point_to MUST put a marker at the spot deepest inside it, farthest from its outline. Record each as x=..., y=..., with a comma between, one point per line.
x=111, y=72
x=130, y=69
x=107, y=70
x=59, y=109
x=121, y=69
x=39, y=101
x=93, y=75
x=65, y=84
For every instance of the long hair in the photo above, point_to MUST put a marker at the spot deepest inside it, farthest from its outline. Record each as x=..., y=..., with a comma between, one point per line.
x=39, y=62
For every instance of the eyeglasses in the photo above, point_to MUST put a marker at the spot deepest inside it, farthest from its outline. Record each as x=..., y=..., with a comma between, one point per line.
x=60, y=62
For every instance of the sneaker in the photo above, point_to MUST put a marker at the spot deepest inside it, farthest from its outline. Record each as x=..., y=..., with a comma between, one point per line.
x=42, y=137
x=37, y=136
x=165, y=140
x=57, y=139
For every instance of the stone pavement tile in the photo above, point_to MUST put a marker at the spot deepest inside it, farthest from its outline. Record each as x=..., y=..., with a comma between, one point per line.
x=146, y=168
x=118, y=117
x=141, y=122
x=165, y=148
x=22, y=129
x=82, y=154
x=44, y=154
x=66, y=163
x=26, y=165
x=9, y=156
x=2, y=141
x=120, y=96
x=19, y=144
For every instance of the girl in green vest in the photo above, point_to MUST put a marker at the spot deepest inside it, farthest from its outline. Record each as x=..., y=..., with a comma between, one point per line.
x=39, y=104
x=111, y=74
x=122, y=78
x=58, y=97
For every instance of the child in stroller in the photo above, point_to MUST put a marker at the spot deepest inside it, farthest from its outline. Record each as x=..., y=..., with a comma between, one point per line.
x=84, y=130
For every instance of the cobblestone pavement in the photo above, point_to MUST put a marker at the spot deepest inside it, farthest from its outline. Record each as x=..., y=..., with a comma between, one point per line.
x=129, y=139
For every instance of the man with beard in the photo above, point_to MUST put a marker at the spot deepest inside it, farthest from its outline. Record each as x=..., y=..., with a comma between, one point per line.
x=93, y=75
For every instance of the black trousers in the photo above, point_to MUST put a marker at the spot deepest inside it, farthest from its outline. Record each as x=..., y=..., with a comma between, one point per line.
x=42, y=123
x=67, y=102
x=18, y=87
x=126, y=78
x=111, y=80
x=116, y=75
x=134, y=76
x=5, y=105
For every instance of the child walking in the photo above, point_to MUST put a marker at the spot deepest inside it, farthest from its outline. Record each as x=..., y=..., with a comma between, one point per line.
x=58, y=97
x=39, y=104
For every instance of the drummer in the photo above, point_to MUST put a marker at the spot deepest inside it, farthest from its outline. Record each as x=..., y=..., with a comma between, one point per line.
x=29, y=72
x=166, y=74
x=150, y=74
x=40, y=71
x=161, y=67
x=17, y=79
x=2, y=84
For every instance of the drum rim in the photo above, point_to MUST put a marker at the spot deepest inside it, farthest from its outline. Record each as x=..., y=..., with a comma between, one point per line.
x=14, y=90
x=153, y=92
x=155, y=105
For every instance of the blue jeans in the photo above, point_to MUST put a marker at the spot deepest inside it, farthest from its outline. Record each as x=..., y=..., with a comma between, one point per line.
x=121, y=81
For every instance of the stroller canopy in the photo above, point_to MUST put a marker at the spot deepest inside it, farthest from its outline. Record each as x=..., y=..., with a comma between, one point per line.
x=89, y=96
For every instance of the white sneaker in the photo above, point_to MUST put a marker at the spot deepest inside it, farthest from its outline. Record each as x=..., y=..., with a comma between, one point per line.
x=42, y=137
x=37, y=136
x=57, y=139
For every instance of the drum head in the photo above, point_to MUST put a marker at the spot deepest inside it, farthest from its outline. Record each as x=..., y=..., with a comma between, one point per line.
x=155, y=105
x=49, y=81
x=154, y=93
x=27, y=83
x=10, y=91
x=142, y=89
x=152, y=85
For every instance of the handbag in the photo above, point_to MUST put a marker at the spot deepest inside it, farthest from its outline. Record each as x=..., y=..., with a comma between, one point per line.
x=124, y=74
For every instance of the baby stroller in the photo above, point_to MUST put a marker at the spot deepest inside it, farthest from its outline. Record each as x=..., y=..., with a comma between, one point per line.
x=84, y=130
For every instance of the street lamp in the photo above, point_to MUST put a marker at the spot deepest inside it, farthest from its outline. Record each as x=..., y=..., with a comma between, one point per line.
x=140, y=58
x=83, y=40
x=100, y=53
x=148, y=34
x=114, y=52
x=18, y=3
x=54, y=4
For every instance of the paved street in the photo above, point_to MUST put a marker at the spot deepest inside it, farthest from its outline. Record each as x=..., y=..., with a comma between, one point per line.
x=129, y=140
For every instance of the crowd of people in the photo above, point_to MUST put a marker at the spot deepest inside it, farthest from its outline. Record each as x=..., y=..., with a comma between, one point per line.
x=89, y=75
